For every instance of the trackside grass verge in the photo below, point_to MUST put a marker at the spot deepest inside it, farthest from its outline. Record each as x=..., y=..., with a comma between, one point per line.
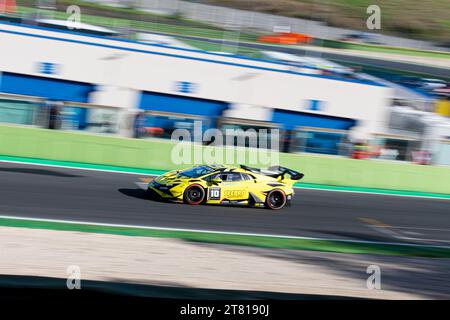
x=236, y=239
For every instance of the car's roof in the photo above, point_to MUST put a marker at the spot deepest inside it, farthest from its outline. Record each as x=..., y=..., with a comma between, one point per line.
x=228, y=168
x=223, y=168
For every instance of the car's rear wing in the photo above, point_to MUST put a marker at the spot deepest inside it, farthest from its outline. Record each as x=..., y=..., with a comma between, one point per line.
x=282, y=171
x=277, y=172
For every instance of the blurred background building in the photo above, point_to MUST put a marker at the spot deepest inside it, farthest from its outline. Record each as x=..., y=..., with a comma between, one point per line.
x=145, y=68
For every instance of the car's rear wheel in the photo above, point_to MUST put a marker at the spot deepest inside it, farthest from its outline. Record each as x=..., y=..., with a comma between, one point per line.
x=194, y=194
x=276, y=199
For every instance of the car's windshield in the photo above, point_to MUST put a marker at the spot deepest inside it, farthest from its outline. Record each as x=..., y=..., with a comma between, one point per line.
x=196, y=171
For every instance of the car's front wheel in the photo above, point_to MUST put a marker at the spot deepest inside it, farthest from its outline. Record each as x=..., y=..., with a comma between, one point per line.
x=194, y=194
x=276, y=199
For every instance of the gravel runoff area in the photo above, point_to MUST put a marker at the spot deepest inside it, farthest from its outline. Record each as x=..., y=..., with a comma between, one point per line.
x=175, y=262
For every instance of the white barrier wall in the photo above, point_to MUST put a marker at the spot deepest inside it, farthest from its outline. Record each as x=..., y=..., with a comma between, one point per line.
x=126, y=68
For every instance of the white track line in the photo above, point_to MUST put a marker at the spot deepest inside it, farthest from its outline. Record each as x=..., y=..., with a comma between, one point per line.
x=421, y=228
x=75, y=168
x=393, y=234
x=220, y=232
x=152, y=175
x=375, y=193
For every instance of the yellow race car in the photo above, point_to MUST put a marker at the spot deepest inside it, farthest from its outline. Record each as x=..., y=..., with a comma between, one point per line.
x=212, y=184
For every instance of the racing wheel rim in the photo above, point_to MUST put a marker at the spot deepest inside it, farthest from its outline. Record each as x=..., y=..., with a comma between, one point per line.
x=276, y=199
x=194, y=194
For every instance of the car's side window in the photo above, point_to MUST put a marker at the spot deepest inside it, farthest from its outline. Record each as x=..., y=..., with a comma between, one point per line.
x=228, y=177
x=212, y=176
x=223, y=176
x=234, y=176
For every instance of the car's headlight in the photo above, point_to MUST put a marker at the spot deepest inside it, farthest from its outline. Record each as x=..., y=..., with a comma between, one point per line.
x=167, y=186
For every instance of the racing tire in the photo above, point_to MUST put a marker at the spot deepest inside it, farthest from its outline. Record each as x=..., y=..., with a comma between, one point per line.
x=276, y=199
x=194, y=194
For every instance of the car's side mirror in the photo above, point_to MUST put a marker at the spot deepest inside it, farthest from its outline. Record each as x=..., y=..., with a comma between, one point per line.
x=216, y=180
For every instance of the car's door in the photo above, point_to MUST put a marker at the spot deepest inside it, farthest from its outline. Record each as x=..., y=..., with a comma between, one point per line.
x=231, y=188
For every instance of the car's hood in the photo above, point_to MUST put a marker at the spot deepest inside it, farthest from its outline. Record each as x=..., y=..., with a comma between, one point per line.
x=170, y=178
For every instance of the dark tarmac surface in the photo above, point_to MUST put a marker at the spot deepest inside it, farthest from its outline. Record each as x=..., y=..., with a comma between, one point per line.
x=102, y=197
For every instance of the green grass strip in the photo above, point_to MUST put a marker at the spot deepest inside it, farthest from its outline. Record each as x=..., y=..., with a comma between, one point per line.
x=244, y=240
x=374, y=190
x=70, y=164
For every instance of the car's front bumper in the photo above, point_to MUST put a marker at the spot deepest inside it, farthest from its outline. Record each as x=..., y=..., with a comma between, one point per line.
x=163, y=191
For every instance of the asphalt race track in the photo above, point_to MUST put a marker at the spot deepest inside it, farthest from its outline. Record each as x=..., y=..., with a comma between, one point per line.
x=91, y=196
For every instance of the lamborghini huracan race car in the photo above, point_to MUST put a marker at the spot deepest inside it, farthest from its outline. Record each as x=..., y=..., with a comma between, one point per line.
x=212, y=184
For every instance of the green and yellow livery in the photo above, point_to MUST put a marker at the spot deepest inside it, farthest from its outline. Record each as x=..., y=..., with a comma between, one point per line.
x=271, y=188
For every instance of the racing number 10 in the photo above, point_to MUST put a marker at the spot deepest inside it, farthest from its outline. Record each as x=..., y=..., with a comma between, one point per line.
x=214, y=193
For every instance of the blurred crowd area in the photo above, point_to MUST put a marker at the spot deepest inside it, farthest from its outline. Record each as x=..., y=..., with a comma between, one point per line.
x=317, y=21
x=69, y=116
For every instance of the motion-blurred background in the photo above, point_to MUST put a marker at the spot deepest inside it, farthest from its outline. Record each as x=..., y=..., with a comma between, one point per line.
x=312, y=69
x=102, y=85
